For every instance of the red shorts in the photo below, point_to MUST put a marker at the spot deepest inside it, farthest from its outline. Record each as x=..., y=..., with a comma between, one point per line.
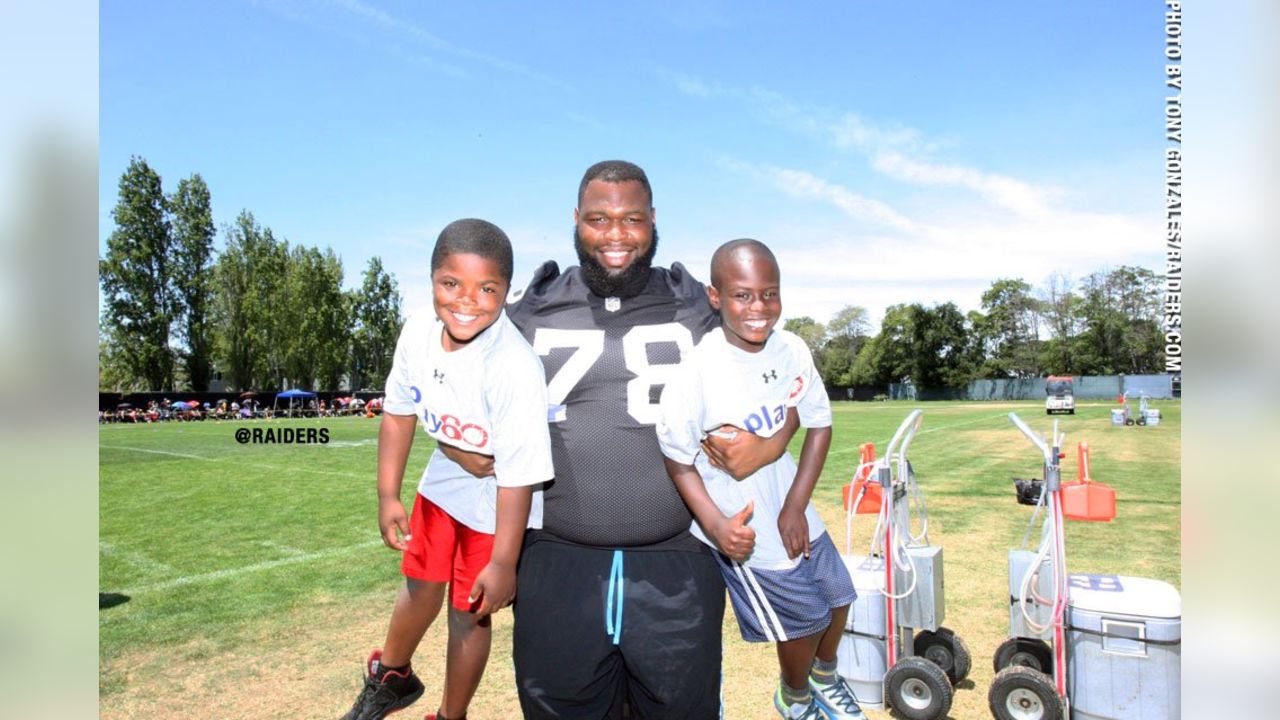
x=442, y=549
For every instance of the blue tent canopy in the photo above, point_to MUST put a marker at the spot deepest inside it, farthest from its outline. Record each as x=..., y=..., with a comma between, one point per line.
x=290, y=395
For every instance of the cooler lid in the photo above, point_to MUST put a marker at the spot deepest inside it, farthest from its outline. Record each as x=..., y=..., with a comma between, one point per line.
x=1124, y=595
x=867, y=572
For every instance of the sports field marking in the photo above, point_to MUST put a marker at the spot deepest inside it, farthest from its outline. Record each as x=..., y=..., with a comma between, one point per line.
x=855, y=448
x=352, y=443
x=240, y=462
x=135, y=559
x=356, y=476
x=282, y=549
x=966, y=422
x=159, y=452
x=256, y=567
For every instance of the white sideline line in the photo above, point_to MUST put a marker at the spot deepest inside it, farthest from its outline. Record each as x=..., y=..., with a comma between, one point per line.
x=966, y=422
x=159, y=452
x=282, y=549
x=846, y=450
x=356, y=476
x=351, y=443
x=236, y=460
x=232, y=572
x=136, y=559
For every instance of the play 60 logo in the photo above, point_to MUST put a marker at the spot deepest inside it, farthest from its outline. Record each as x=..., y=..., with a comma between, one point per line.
x=450, y=426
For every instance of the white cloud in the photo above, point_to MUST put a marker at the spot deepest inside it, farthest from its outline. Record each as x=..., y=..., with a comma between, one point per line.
x=893, y=150
x=1006, y=192
x=799, y=183
x=421, y=37
x=950, y=246
x=940, y=257
x=852, y=132
x=693, y=86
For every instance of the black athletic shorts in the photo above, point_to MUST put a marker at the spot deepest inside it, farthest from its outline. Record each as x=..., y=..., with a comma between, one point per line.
x=664, y=609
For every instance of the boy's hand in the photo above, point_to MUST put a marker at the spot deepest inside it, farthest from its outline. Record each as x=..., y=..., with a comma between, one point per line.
x=393, y=523
x=475, y=463
x=733, y=536
x=736, y=451
x=495, y=587
x=794, y=528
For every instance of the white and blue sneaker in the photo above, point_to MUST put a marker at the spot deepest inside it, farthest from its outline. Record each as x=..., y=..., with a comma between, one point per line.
x=812, y=711
x=836, y=700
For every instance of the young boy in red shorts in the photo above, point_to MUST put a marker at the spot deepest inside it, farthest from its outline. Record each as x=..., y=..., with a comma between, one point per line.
x=471, y=380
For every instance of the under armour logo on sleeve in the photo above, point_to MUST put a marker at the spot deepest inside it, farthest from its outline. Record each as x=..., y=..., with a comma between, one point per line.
x=439, y=376
x=771, y=375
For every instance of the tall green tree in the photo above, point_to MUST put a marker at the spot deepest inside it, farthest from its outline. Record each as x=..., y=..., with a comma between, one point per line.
x=1007, y=331
x=930, y=347
x=376, y=312
x=247, y=304
x=850, y=321
x=1138, y=297
x=334, y=324
x=847, y=334
x=1060, y=311
x=317, y=314
x=1119, y=314
x=113, y=374
x=941, y=350
x=886, y=357
x=271, y=267
x=193, y=233
x=137, y=278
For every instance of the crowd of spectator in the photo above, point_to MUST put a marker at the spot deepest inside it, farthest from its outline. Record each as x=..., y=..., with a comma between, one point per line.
x=247, y=408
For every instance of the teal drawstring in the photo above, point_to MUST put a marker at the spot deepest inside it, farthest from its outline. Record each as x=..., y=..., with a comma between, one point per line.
x=612, y=612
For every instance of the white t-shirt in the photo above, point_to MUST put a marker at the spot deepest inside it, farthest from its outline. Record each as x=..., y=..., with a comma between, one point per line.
x=487, y=397
x=719, y=384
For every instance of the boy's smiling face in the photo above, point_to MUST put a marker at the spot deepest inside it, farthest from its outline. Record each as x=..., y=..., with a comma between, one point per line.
x=468, y=292
x=746, y=292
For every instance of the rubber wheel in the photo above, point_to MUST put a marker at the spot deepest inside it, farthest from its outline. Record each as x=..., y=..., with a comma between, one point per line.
x=1024, y=652
x=1142, y=421
x=946, y=650
x=918, y=689
x=1020, y=693
x=1128, y=421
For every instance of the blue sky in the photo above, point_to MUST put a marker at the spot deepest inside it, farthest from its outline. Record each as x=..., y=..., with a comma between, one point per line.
x=887, y=152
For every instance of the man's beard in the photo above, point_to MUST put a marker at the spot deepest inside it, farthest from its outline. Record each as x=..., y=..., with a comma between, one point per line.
x=628, y=283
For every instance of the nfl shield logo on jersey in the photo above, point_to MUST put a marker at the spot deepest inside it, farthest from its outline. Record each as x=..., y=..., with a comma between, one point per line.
x=612, y=304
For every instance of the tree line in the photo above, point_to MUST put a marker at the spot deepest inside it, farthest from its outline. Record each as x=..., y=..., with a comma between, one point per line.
x=1106, y=324
x=269, y=315
x=264, y=313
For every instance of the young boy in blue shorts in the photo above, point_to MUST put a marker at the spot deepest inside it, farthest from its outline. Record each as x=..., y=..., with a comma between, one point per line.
x=785, y=577
x=473, y=383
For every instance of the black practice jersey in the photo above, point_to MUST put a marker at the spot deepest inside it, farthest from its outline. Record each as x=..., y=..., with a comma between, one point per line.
x=606, y=362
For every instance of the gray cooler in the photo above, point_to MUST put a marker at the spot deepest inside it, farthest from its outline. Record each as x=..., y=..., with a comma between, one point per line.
x=1124, y=640
x=861, y=655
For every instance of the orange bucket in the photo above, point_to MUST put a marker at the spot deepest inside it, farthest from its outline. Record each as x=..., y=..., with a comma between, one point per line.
x=1084, y=499
x=870, y=502
x=871, y=499
x=1089, y=501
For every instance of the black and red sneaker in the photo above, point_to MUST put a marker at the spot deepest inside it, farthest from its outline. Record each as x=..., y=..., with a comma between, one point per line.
x=385, y=691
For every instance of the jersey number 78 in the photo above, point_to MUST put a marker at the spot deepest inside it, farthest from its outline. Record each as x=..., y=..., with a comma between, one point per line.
x=588, y=346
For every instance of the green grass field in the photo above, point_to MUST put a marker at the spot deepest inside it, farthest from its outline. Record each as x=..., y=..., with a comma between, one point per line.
x=258, y=583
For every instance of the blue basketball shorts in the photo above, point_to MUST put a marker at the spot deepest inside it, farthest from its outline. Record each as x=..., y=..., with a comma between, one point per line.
x=781, y=605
